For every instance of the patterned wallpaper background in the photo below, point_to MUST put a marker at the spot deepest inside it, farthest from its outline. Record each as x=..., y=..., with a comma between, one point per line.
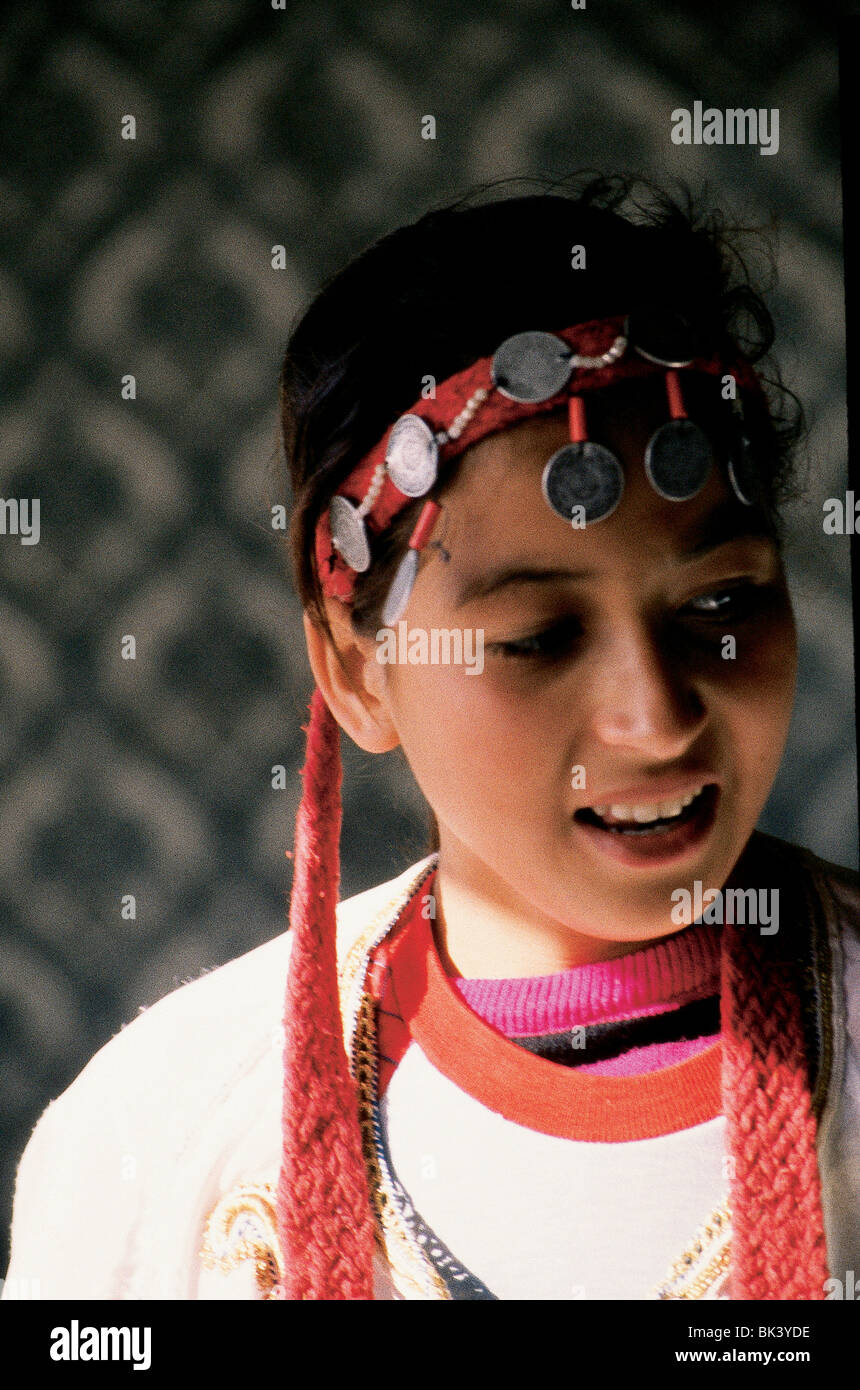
x=298, y=125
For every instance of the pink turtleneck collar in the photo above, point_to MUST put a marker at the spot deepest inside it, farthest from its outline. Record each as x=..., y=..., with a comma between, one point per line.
x=680, y=970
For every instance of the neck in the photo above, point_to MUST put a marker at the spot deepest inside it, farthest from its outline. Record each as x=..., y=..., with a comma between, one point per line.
x=484, y=929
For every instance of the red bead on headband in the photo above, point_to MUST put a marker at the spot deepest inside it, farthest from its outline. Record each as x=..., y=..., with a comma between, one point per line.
x=529, y=374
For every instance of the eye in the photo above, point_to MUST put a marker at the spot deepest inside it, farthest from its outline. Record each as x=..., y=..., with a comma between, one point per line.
x=737, y=602
x=551, y=643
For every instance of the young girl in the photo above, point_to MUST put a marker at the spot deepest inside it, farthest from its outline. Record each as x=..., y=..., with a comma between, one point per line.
x=602, y=1043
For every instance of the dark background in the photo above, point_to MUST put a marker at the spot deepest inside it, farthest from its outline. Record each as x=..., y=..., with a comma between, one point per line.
x=153, y=257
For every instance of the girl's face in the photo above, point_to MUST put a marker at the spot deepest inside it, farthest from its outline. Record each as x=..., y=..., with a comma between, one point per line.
x=610, y=691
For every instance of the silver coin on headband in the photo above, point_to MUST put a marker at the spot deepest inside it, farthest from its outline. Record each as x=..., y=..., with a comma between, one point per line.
x=531, y=367
x=348, y=533
x=583, y=475
x=412, y=456
x=662, y=335
x=678, y=460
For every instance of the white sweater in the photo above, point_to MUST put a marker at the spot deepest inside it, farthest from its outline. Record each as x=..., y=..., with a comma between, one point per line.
x=183, y=1107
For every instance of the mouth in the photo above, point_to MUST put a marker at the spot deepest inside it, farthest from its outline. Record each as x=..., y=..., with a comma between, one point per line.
x=653, y=831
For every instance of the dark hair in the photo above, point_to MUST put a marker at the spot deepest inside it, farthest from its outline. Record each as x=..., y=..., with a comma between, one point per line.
x=433, y=296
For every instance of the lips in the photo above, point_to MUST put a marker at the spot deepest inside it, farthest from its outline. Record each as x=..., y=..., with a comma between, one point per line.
x=660, y=830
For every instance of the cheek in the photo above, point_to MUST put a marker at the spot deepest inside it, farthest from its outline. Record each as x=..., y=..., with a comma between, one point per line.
x=469, y=744
x=765, y=664
x=756, y=694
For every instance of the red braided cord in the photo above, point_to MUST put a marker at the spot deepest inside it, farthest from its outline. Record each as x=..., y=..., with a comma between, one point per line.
x=778, y=1244
x=325, y=1223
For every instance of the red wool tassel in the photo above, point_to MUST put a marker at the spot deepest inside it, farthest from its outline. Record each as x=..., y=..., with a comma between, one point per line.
x=778, y=1243
x=325, y=1222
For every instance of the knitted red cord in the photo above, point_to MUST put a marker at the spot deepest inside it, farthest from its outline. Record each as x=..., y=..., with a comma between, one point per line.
x=778, y=1244
x=325, y=1222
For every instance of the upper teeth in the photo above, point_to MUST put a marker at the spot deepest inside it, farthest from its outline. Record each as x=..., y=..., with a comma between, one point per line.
x=659, y=810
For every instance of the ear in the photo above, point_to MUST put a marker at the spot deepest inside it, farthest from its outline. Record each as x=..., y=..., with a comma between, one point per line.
x=351, y=680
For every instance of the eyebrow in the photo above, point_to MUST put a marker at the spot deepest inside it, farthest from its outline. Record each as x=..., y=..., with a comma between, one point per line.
x=725, y=523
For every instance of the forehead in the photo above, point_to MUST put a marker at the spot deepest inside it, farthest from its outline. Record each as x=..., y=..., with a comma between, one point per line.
x=497, y=510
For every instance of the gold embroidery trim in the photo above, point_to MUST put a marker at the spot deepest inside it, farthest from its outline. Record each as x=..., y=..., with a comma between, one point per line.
x=412, y=1272
x=353, y=961
x=712, y=1248
x=243, y=1226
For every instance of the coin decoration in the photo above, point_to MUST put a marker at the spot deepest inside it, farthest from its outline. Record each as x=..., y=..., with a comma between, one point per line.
x=531, y=367
x=349, y=534
x=584, y=475
x=412, y=456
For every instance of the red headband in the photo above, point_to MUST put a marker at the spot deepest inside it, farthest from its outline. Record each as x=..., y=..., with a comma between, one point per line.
x=497, y=412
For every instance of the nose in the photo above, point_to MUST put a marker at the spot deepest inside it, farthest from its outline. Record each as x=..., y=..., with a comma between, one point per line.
x=643, y=698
